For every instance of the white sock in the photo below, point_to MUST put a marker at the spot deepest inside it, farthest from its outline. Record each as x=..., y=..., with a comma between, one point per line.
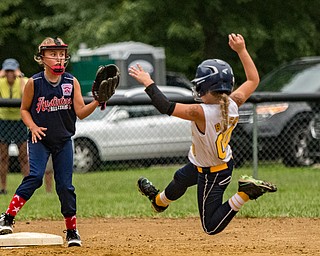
x=236, y=202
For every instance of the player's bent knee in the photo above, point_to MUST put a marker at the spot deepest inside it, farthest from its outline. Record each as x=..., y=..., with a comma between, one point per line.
x=211, y=230
x=179, y=178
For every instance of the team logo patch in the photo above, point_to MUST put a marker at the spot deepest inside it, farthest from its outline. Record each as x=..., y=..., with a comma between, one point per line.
x=66, y=89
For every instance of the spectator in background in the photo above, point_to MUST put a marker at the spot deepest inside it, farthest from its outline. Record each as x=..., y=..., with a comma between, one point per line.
x=12, y=129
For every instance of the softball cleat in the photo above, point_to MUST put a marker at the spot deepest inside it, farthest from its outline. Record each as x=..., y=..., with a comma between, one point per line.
x=6, y=224
x=147, y=189
x=255, y=188
x=73, y=237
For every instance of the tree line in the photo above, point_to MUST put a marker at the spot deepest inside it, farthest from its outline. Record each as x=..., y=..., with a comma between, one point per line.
x=190, y=31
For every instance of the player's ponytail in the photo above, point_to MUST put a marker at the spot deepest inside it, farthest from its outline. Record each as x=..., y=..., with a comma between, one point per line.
x=224, y=110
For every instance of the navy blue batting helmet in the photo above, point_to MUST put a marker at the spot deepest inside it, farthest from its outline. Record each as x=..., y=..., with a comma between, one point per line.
x=213, y=75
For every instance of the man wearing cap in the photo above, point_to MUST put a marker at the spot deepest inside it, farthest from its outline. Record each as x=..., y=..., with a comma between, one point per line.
x=12, y=129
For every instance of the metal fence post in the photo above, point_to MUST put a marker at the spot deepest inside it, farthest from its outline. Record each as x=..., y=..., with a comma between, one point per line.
x=255, y=142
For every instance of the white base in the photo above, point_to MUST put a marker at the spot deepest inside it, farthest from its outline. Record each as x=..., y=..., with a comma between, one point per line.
x=29, y=239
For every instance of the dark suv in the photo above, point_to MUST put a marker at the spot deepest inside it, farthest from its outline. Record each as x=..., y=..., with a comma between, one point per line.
x=283, y=128
x=314, y=142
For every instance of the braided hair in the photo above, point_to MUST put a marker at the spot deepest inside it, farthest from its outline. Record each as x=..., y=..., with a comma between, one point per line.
x=224, y=109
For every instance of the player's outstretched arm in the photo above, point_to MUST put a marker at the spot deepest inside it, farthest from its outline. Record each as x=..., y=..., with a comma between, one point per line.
x=192, y=112
x=240, y=95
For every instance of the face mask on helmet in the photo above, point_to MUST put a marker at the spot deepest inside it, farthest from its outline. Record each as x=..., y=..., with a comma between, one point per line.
x=212, y=75
x=57, y=45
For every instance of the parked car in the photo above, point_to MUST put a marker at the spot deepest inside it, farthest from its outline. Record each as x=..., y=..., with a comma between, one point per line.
x=178, y=80
x=314, y=138
x=283, y=127
x=130, y=132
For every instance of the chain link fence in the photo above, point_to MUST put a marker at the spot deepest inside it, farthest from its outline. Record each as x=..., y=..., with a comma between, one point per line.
x=288, y=134
x=273, y=129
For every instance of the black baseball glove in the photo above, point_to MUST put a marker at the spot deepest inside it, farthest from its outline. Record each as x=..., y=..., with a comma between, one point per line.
x=105, y=84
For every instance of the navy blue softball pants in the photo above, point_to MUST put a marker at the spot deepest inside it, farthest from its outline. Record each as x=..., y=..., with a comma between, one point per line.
x=215, y=215
x=62, y=159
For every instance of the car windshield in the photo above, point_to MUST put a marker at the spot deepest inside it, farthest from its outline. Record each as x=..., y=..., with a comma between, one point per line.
x=296, y=78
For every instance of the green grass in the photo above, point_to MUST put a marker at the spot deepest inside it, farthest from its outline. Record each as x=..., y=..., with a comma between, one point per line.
x=114, y=194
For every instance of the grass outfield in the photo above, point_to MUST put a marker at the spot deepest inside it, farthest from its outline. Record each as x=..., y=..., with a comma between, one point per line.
x=114, y=194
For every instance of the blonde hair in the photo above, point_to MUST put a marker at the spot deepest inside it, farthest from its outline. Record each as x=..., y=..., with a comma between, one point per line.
x=224, y=109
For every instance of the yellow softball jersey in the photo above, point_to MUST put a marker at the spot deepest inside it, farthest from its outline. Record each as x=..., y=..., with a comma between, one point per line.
x=212, y=148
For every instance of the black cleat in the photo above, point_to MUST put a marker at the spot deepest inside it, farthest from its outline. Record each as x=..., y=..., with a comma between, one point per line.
x=255, y=188
x=73, y=237
x=147, y=189
x=6, y=224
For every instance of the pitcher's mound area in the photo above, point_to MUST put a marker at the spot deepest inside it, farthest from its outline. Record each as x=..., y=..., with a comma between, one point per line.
x=29, y=239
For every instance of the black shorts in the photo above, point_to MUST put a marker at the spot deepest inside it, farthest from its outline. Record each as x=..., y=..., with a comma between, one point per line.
x=13, y=131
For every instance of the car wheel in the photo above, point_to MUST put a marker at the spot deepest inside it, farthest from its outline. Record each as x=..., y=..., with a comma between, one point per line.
x=297, y=153
x=86, y=157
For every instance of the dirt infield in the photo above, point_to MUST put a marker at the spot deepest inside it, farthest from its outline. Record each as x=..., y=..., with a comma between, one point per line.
x=162, y=236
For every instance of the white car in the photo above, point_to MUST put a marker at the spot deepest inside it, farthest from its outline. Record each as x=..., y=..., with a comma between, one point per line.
x=130, y=132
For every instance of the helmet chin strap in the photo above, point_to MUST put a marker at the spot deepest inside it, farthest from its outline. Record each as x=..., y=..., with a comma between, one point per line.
x=196, y=95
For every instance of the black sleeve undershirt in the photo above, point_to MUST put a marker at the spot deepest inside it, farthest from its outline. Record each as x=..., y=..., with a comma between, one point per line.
x=159, y=100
